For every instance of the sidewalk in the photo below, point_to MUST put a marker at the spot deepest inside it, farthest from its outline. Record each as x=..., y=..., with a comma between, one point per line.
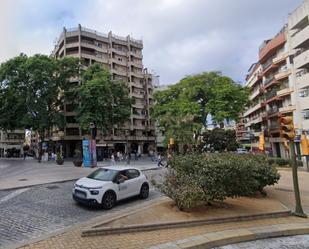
x=202, y=236
x=19, y=173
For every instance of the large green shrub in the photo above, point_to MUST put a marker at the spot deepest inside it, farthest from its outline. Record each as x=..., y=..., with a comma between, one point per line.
x=203, y=178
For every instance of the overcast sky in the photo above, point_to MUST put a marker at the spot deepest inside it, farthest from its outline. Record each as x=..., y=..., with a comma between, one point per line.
x=180, y=37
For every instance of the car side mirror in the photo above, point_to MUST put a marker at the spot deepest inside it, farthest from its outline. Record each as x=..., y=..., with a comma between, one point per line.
x=121, y=180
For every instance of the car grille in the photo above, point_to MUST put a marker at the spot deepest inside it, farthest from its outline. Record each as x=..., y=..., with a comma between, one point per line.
x=81, y=194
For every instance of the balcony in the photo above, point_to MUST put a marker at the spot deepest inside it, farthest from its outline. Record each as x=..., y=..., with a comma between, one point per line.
x=138, y=116
x=255, y=79
x=301, y=37
x=120, y=52
x=302, y=80
x=137, y=54
x=272, y=46
x=255, y=94
x=138, y=105
x=282, y=75
x=136, y=84
x=284, y=92
x=137, y=64
x=137, y=95
x=301, y=60
x=270, y=82
x=287, y=109
x=119, y=72
x=255, y=120
x=281, y=58
x=269, y=68
x=253, y=109
x=120, y=62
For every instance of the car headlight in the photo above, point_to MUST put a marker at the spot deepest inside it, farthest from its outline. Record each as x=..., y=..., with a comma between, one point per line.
x=94, y=192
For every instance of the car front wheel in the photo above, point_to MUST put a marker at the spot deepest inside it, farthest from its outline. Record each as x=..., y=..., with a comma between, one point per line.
x=108, y=200
x=144, y=192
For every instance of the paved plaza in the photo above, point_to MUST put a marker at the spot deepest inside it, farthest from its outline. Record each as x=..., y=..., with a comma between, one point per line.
x=16, y=173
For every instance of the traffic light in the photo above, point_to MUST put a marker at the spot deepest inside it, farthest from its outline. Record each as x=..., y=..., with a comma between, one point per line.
x=262, y=142
x=304, y=145
x=287, y=128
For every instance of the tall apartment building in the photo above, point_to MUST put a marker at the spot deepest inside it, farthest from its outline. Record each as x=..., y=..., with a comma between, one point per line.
x=123, y=57
x=272, y=93
x=298, y=23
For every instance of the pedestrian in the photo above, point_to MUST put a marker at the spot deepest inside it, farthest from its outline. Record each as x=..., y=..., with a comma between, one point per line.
x=112, y=159
x=160, y=160
x=128, y=158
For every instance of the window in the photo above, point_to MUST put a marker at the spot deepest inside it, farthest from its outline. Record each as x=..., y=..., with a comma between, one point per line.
x=303, y=93
x=132, y=173
x=305, y=114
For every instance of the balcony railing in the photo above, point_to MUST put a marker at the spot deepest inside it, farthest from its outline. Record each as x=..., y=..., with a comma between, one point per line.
x=271, y=94
x=267, y=81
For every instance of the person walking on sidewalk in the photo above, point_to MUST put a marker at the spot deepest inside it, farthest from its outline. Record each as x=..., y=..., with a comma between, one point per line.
x=160, y=159
x=112, y=159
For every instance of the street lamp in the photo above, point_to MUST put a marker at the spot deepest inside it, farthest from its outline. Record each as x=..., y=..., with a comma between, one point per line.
x=127, y=146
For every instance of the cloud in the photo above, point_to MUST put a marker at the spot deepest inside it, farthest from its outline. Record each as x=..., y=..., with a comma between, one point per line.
x=180, y=37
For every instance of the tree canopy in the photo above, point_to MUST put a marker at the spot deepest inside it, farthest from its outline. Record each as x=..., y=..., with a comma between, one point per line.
x=102, y=101
x=31, y=91
x=183, y=108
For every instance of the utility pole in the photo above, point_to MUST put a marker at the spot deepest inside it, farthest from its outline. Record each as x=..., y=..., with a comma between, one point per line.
x=287, y=131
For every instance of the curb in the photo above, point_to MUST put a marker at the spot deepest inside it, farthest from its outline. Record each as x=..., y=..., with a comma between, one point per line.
x=60, y=181
x=227, y=237
x=180, y=224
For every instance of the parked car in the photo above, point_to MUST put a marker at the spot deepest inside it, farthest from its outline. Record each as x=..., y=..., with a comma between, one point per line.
x=107, y=185
x=242, y=151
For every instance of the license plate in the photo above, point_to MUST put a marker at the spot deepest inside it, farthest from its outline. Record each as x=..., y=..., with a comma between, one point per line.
x=80, y=195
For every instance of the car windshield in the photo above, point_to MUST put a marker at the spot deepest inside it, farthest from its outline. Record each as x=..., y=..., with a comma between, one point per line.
x=103, y=174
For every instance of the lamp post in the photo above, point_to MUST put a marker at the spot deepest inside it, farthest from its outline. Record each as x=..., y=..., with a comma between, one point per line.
x=127, y=147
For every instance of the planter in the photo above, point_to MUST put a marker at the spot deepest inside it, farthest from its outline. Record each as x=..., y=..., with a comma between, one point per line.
x=59, y=161
x=77, y=162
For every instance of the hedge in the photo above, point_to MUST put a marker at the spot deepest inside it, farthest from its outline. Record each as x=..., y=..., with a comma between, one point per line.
x=204, y=178
x=283, y=162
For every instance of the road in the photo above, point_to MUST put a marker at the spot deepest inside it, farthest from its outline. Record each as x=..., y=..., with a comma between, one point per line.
x=292, y=242
x=29, y=213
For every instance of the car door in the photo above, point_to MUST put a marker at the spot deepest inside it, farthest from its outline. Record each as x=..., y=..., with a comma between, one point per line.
x=123, y=187
x=134, y=181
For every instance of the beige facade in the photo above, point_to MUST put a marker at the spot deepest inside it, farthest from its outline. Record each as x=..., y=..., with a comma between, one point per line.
x=298, y=24
x=123, y=57
x=11, y=143
x=270, y=81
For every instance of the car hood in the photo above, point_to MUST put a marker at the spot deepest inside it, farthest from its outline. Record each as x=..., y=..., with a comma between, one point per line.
x=91, y=183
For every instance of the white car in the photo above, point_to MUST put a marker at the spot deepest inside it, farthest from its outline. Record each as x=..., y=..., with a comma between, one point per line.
x=107, y=185
x=242, y=151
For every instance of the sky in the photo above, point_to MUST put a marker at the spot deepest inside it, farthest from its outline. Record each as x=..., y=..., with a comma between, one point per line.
x=181, y=37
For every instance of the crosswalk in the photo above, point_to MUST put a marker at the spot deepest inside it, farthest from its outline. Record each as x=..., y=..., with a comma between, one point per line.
x=13, y=194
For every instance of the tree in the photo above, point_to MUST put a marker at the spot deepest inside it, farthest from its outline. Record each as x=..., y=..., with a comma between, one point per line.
x=219, y=140
x=102, y=101
x=182, y=109
x=31, y=92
